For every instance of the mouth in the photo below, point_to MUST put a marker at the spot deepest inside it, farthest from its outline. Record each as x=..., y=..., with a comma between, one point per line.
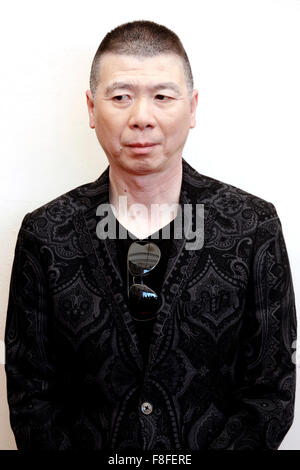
x=141, y=148
x=141, y=144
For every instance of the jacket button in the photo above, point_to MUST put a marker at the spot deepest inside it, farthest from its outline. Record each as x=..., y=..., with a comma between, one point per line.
x=146, y=408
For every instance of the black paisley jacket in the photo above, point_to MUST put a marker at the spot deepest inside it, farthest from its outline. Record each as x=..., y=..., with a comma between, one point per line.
x=220, y=372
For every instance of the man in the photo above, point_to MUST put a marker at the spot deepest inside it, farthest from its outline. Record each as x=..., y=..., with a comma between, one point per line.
x=211, y=366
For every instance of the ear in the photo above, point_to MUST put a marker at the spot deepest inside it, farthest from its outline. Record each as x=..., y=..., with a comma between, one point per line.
x=90, y=105
x=194, y=103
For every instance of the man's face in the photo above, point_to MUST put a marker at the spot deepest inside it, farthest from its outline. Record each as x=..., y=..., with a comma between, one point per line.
x=142, y=111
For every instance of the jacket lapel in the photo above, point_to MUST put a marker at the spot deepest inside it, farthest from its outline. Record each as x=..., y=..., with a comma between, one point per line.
x=182, y=260
x=103, y=258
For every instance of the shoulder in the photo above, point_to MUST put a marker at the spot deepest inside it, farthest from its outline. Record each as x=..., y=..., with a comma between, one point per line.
x=227, y=200
x=60, y=210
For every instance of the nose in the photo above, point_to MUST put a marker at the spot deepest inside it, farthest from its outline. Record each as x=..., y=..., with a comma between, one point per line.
x=141, y=114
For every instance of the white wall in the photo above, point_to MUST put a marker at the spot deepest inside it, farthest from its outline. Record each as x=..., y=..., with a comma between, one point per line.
x=245, y=59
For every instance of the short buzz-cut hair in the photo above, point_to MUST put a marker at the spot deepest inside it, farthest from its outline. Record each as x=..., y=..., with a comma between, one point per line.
x=142, y=39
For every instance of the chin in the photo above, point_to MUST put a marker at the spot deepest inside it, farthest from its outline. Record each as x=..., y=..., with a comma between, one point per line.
x=146, y=167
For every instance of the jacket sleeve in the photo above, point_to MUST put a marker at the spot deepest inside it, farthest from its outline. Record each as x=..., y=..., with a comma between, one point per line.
x=263, y=404
x=35, y=411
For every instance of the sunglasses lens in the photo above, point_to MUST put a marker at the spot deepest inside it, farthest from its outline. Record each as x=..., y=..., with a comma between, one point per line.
x=142, y=258
x=143, y=301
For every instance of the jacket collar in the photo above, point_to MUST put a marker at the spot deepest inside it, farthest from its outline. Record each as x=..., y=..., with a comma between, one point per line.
x=103, y=261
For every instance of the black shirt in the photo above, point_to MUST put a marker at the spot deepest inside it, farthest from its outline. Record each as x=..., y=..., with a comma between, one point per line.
x=154, y=278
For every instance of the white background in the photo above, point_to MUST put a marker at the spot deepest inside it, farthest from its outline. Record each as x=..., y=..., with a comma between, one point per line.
x=245, y=60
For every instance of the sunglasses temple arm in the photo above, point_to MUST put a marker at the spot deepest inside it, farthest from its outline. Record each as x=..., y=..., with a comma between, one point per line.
x=133, y=280
x=127, y=283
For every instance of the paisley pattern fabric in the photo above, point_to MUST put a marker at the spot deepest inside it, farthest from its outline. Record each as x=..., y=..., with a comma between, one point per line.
x=219, y=374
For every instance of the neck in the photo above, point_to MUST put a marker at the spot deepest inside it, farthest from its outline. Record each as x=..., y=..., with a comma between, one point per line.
x=157, y=188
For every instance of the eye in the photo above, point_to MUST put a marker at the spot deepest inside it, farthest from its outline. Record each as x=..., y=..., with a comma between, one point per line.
x=121, y=98
x=162, y=98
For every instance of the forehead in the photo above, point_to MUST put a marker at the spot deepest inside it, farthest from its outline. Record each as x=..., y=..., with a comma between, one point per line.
x=167, y=66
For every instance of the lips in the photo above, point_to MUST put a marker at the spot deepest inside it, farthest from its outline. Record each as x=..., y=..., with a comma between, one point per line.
x=141, y=144
x=141, y=148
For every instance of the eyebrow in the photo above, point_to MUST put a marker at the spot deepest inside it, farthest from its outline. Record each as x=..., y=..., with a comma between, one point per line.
x=130, y=86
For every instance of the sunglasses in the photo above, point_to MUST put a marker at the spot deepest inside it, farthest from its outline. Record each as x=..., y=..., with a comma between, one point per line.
x=142, y=258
